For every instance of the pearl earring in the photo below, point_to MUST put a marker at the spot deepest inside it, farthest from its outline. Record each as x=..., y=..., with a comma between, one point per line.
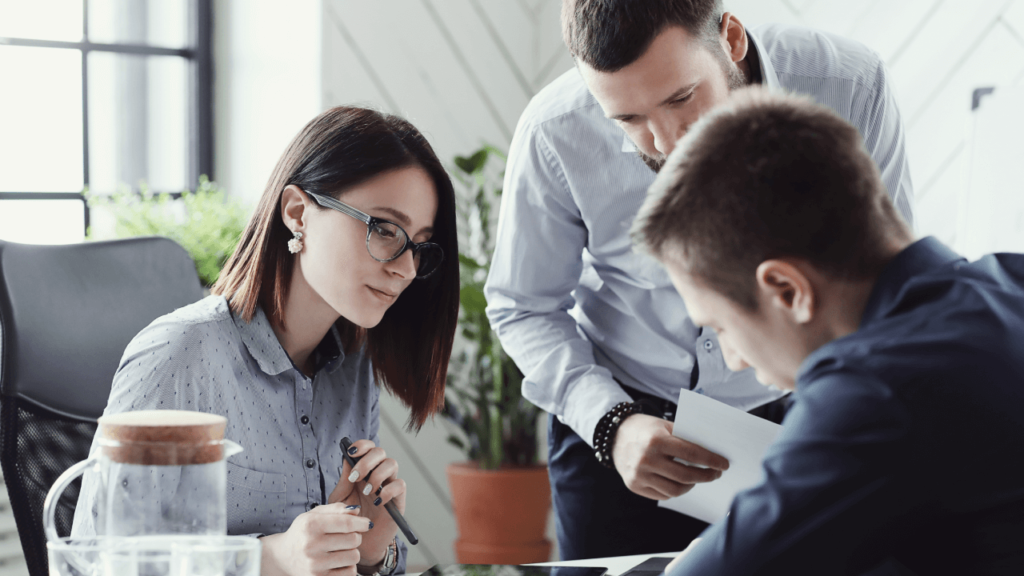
x=295, y=244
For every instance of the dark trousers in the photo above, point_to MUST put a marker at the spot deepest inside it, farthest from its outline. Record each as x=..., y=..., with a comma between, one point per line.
x=597, y=516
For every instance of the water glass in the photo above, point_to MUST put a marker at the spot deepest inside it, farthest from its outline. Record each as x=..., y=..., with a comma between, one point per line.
x=170, y=555
x=75, y=556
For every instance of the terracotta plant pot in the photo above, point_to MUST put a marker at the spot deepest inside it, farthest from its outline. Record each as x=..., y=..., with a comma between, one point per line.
x=501, y=514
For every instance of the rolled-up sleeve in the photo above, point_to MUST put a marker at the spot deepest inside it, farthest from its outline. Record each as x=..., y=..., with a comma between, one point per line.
x=536, y=265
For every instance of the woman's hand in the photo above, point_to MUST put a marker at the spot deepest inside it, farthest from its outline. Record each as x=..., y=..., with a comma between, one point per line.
x=323, y=541
x=382, y=487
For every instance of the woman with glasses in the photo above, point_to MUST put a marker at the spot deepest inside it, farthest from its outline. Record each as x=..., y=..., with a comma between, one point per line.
x=344, y=281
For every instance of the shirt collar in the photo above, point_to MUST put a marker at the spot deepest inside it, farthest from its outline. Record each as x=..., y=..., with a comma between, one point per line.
x=329, y=352
x=266, y=349
x=768, y=76
x=921, y=256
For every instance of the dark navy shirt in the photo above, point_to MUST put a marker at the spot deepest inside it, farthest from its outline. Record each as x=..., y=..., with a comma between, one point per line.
x=904, y=447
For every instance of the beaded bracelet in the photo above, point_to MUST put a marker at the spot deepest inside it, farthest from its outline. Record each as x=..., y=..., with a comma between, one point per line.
x=607, y=426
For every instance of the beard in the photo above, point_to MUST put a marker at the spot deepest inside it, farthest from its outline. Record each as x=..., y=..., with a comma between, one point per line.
x=654, y=163
x=734, y=79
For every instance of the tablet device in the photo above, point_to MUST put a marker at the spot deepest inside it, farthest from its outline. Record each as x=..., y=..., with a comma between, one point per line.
x=511, y=570
x=650, y=567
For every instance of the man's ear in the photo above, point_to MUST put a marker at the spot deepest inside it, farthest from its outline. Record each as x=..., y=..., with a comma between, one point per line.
x=733, y=37
x=293, y=208
x=786, y=288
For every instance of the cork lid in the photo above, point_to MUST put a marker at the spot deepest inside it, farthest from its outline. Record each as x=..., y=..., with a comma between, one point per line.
x=162, y=437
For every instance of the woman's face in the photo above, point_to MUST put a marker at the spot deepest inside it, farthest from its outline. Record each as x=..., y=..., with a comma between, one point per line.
x=334, y=260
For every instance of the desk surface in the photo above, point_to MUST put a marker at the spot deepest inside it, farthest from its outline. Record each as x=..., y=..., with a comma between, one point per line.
x=615, y=565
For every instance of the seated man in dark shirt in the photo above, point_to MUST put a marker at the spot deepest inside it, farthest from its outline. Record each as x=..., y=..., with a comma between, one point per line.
x=904, y=447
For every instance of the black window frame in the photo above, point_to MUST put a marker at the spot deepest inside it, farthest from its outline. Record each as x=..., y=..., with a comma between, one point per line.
x=199, y=55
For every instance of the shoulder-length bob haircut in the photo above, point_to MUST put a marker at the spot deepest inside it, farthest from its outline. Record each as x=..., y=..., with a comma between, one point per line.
x=338, y=149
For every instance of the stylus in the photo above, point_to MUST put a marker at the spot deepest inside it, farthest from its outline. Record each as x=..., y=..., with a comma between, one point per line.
x=390, y=506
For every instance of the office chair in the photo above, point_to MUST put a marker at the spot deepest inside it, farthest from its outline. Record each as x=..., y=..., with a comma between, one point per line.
x=66, y=315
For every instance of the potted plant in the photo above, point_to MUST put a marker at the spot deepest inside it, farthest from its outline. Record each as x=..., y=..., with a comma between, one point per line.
x=501, y=495
x=206, y=223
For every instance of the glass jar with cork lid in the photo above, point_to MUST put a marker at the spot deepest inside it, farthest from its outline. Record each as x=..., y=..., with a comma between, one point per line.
x=157, y=472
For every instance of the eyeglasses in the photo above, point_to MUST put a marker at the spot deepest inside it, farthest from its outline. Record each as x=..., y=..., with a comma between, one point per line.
x=386, y=241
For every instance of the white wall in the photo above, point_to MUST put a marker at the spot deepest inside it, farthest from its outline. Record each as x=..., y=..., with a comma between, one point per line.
x=266, y=86
x=461, y=70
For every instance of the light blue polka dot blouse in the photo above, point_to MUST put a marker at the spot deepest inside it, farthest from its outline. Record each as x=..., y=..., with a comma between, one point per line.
x=202, y=357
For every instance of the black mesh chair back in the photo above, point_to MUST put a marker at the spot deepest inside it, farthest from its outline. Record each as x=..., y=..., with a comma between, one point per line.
x=66, y=315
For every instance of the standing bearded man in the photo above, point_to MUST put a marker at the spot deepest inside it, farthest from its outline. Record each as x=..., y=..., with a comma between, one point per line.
x=603, y=339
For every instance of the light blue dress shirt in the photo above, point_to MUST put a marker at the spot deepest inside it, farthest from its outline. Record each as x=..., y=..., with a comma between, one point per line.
x=202, y=357
x=573, y=304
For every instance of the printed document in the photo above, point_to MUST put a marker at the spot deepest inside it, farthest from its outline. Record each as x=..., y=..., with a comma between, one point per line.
x=740, y=438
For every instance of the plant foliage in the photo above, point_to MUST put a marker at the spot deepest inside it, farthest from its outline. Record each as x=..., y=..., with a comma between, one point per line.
x=206, y=222
x=484, y=392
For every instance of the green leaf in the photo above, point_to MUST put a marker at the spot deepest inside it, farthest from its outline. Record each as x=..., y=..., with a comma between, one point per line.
x=456, y=441
x=472, y=299
x=497, y=152
x=467, y=262
x=474, y=163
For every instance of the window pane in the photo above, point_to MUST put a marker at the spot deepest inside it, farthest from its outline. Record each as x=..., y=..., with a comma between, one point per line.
x=152, y=22
x=138, y=122
x=41, y=19
x=42, y=221
x=40, y=120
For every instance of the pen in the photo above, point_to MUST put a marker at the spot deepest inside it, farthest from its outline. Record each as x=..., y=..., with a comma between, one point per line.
x=390, y=506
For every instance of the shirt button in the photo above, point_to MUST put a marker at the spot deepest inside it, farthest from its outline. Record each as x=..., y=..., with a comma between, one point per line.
x=708, y=344
x=310, y=463
x=304, y=419
x=311, y=506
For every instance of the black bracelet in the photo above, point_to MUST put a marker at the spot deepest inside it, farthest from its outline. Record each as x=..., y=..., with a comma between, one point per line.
x=607, y=426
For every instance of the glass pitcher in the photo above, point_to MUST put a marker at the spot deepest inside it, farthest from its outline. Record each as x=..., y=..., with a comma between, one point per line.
x=154, y=556
x=153, y=472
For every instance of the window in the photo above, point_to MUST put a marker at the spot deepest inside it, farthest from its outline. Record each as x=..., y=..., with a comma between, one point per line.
x=99, y=94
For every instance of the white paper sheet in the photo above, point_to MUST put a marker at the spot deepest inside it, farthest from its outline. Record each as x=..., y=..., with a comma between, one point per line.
x=738, y=437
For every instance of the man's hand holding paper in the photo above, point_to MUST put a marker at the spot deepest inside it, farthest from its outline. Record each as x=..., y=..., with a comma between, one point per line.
x=742, y=437
x=645, y=453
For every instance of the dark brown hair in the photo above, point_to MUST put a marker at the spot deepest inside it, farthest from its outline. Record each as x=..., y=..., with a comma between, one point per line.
x=609, y=35
x=338, y=149
x=769, y=175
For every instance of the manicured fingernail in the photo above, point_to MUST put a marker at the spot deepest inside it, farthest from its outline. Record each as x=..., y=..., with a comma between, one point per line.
x=371, y=525
x=352, y=507
x=377, y=502
x=353, y=476
x=377, y=493
x=353, y=450
x=368, y=489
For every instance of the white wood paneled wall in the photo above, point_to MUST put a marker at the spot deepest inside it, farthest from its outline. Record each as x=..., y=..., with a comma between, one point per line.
x=463, y=70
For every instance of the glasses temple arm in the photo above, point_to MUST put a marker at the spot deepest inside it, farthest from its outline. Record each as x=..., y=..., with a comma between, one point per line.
x=328, y=202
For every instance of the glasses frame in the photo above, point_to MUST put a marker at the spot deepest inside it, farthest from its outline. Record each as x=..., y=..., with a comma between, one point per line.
x=371, y=221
